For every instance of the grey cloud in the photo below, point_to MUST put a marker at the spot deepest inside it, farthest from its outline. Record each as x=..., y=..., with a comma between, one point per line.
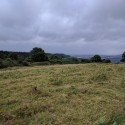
x=58, y=23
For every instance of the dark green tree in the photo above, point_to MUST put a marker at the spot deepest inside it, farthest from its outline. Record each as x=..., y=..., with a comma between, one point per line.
x=74, y=60
x=37, y=55
x=51, y=57
x=85, y=61
x=123, y=57
x=96, y=58
x=13, y=56
x=106, y=61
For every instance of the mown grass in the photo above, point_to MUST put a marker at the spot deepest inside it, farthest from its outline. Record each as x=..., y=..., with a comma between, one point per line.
x=79, y=94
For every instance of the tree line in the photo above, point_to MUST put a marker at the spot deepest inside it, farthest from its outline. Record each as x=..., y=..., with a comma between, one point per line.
x=37, y=56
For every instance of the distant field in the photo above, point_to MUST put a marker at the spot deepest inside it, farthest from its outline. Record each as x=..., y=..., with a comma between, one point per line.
x=78, y=94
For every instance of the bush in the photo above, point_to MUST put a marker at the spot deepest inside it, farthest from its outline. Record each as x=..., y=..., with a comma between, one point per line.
x=106, y=61
x=55, y=61
x=86, y=61
x=40, y=63
x=13, y=56
x=24, y=63
x=2, y=65
x=8, y=63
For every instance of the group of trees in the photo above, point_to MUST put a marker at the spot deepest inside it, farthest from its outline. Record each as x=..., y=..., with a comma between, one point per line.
x=9, y=59
x=38, y=56
x=96, y=58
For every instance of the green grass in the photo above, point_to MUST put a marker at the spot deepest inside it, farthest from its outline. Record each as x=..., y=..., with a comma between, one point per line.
x=79, y=94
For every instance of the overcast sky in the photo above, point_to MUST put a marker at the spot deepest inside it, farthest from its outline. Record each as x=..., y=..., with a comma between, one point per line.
x=63, y=26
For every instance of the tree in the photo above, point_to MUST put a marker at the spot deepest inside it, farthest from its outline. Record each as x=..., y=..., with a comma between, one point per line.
x=96, y=58
x=13, y=56
x=37, y=55
x=85, y=61
x=74, y=60
x=51, y=57
x=123, y=57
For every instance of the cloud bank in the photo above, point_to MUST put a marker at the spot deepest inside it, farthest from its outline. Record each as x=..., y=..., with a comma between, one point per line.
x=71, y=27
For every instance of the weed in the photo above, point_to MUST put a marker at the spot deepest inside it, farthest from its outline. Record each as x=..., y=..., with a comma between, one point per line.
x=58, y=82
x=114, y=120
x=72, y=90
x=99, y=76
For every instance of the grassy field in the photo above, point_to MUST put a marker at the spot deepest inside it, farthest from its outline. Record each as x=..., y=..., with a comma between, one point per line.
x=79, y=94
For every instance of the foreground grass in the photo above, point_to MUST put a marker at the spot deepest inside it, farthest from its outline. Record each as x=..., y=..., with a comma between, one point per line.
x=62, y=94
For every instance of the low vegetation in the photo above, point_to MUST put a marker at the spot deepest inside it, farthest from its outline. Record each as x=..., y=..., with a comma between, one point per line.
x=79, y=94
x=37, y=56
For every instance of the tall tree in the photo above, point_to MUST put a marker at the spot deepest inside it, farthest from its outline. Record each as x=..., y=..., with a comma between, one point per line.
x=37, y=55
x=123, y=57
x=96, y=58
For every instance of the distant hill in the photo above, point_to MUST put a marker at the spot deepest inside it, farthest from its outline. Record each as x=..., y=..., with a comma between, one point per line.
x=26, y=54
x=6, y=53
x=112, y=58
x=58, y=54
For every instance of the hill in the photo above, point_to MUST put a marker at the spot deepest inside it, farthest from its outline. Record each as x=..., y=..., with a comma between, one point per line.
x=79, y=94
x=26, y=54
x=112, y=58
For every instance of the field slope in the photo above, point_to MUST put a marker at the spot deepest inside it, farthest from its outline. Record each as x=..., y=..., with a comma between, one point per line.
x=62, y=94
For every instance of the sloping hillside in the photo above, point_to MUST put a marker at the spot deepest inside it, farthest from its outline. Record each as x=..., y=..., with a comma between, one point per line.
x=79, y=94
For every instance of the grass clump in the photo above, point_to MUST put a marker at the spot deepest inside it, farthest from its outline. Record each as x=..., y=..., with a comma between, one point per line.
x=114, y=120
x=58, y=82
x=72, y=91
x=99, y=76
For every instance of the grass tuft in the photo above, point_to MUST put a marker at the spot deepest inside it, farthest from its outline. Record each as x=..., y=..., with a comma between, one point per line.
x=98, y=77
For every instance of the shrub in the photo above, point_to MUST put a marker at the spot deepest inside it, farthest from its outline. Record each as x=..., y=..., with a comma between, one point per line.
x=55, y=61
x=86, y=61
x=25, y=63
x=106, y=61
x=13, y=56
x=8, y=63
x=2, y=65
x=40, y=63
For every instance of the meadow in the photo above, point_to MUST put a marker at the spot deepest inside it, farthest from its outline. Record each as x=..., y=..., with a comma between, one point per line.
x=73, y=94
